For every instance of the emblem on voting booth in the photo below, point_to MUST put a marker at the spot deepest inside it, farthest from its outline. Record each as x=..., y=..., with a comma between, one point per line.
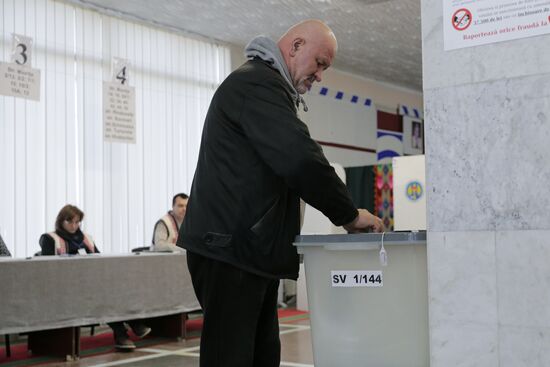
x=414, y=190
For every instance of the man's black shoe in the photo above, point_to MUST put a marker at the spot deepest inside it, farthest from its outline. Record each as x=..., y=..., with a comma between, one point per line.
x=124, y=343
x=141, y=330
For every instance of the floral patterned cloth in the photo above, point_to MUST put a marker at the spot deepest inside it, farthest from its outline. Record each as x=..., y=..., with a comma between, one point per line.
x=383, y=194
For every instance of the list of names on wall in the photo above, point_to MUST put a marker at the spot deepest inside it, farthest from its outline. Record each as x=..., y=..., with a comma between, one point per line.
x=19, y=81
x=119, y=121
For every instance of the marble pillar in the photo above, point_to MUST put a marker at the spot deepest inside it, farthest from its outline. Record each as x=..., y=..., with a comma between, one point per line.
x=487, y=120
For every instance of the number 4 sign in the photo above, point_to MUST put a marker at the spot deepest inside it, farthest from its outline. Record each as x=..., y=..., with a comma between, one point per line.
x=120, y=71
x=21, y=50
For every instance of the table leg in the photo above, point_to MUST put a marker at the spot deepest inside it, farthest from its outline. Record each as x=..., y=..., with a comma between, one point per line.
x=63, y=342
x=171, y=326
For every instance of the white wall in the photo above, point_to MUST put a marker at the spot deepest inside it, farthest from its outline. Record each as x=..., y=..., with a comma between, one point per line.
x=351, y=127
x=358, y=125
x=384, y=96
x=52, y=152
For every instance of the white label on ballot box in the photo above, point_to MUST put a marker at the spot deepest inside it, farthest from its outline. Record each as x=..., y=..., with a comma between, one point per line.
x=356, y=278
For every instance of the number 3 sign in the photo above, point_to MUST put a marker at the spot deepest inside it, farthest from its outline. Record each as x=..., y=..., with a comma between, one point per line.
x=21, y=51
x=121, y=71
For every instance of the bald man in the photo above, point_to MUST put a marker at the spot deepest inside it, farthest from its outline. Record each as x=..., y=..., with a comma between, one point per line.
x=256, y=161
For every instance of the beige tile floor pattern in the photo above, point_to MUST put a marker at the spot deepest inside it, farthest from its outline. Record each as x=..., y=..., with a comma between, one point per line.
x=296, y=351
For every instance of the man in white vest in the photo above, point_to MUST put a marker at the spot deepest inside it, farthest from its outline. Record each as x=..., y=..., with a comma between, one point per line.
x=167, y=228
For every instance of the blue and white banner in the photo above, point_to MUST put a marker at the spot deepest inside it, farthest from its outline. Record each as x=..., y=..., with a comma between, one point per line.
x=340, y=96
x=389, y=144
x=411, y=112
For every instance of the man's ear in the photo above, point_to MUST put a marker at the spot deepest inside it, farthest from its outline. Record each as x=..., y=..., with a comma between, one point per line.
x=296, y=44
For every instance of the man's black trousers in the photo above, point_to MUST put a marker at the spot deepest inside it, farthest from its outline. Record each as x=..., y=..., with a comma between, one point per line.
x=240, y=327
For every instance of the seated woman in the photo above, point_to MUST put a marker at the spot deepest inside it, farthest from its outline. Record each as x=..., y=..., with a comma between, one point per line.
x=69, y=239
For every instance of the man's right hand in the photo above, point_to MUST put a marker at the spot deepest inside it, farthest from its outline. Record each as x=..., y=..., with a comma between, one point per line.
x=365, y=220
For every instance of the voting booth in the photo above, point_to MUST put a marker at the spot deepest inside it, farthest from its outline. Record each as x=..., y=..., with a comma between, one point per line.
x=363, y=311
x=409, y=193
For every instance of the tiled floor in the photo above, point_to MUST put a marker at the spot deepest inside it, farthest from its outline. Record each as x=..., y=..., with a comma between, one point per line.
x=295, y=342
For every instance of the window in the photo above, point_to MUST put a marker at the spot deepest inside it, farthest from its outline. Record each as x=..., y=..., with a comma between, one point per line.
x=52, y=152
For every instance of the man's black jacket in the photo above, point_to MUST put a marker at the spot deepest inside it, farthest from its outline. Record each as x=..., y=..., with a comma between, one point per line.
x=256, y=160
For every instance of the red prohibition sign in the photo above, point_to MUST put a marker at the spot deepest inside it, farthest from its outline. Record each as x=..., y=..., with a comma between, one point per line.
x=462, y=18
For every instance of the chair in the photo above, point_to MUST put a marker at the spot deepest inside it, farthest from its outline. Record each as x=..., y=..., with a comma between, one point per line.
x=5, y=252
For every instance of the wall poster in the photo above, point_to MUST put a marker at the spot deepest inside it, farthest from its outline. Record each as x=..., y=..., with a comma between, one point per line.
x=478, y=22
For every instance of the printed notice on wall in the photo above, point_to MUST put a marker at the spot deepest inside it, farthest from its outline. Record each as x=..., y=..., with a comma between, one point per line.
x=478, y=22
x=18, y=79
x=119, y=121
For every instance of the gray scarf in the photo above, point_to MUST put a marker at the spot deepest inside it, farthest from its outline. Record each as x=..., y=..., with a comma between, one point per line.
x=267, y=50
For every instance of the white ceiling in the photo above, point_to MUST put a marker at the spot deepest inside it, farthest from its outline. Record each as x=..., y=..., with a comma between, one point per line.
x=377, y=39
